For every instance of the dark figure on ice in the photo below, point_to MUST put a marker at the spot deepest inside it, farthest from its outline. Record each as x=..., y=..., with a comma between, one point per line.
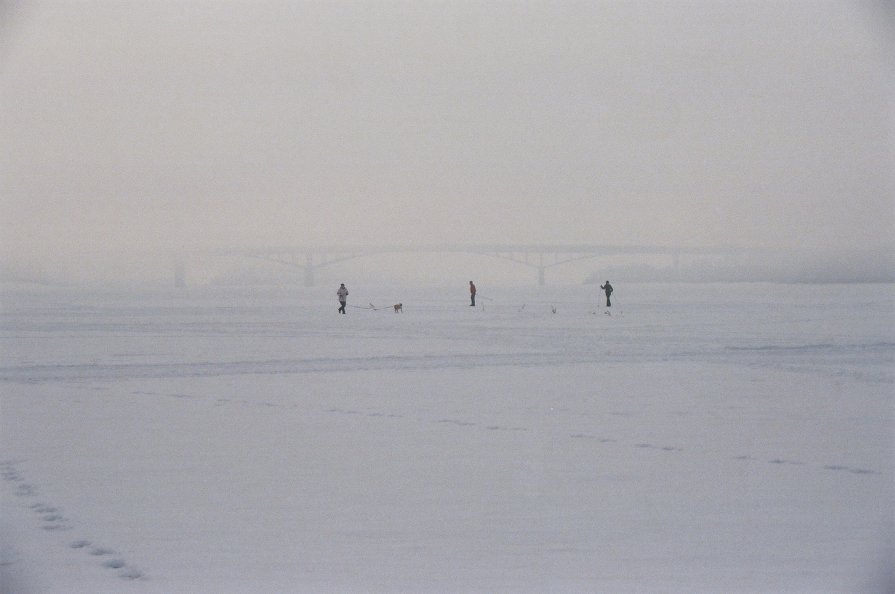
x=343, y=297
x=471, y=294
x=608, y=288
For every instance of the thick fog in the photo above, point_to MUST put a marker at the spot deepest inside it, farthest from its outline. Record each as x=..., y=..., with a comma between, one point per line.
x=134, y=131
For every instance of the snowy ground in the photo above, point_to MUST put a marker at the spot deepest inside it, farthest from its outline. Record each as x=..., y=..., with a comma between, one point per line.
x=702, y=438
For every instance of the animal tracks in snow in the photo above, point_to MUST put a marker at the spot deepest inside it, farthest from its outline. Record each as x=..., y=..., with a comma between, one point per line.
x=52, y=519
x=850, y=469
x=350, y=412
x=466, y=423
x=588, y=436
x=784, y=462
x=649, y=446
x=640, y=445
x=445, y=421
x=170, y=394
x=744, y=458
x=25, y=489
x=457, y=422
x=787, y=462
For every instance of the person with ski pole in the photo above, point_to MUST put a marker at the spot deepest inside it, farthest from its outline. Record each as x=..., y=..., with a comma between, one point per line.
x=472, y=294
x=343, y=297
x=608, y=289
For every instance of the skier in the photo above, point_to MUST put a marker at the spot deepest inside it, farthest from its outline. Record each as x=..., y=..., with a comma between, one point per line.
x=472, y=294
x=608, y=288
x=343, y=297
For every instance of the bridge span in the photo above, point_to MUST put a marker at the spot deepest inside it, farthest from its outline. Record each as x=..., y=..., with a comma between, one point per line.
x=538, y=256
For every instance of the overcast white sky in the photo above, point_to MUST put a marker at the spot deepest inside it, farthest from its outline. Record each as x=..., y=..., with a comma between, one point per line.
x=133, y=127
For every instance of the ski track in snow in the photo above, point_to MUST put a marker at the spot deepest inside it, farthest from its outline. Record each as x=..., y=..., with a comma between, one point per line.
x=51, y=518
x=34, y=374
x=845, y=362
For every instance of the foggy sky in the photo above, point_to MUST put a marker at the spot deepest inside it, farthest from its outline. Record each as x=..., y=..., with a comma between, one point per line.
x=137, y=127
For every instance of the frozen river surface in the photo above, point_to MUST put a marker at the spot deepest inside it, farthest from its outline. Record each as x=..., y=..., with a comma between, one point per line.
x=702, y=438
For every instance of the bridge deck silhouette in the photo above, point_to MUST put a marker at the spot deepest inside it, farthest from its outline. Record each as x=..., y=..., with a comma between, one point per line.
x=539, y=256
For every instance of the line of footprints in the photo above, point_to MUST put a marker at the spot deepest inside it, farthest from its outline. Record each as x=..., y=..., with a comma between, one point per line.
x=746, y=458
x=51, y=519
x=606, y=440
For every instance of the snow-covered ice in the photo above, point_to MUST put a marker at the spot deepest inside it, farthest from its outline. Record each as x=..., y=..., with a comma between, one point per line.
x=702, y=438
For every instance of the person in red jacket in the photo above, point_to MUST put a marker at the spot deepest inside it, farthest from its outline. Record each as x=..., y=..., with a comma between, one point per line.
x=472, y=294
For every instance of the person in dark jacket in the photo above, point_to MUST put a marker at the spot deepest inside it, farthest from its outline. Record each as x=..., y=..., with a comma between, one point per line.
x=608, y=288
x=343, y=297
x=472, y=294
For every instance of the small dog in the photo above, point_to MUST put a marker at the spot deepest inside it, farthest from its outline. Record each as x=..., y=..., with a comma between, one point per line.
x=399, y=308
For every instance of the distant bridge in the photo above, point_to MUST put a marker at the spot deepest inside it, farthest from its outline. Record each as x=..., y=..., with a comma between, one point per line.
x=537, y=256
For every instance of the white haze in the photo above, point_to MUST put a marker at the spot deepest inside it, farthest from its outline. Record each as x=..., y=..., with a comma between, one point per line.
x=135, y=130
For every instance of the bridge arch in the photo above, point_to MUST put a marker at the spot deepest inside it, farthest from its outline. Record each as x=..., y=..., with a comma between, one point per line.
x=539, y=257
